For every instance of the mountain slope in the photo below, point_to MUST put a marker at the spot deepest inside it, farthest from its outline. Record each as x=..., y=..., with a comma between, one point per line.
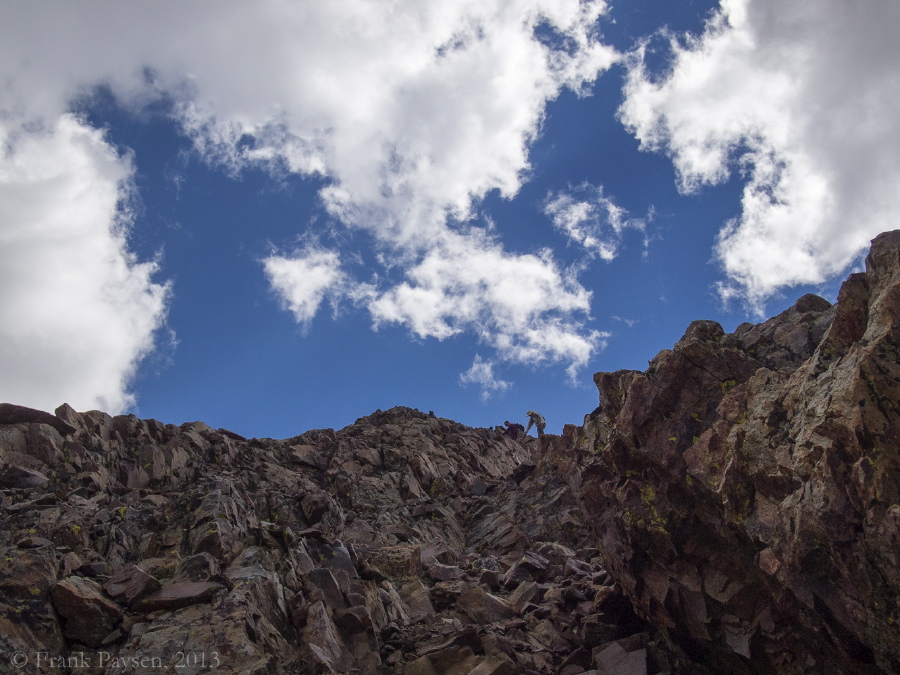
x=404, y=543
x=733, y=509
x=745, y=489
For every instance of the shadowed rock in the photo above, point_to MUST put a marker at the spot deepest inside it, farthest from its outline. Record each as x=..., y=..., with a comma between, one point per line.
x=744, y=488
x=178, y=595
x=88, y=616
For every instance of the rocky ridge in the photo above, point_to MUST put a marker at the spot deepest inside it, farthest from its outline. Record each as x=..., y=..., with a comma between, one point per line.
x=744, y=489
x=404, y=543
x=733, y=509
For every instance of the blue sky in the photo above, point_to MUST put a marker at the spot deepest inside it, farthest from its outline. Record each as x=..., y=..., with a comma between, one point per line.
x=285, y=217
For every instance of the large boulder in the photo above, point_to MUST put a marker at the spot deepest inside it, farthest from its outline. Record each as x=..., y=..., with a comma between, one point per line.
x=89, y=617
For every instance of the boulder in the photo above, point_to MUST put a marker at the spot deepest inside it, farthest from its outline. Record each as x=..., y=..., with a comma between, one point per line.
x=482, y=607
x=19, y=414
x=417, y=598
x=131, y=583
x=14, y=476
x=177, y=595
x=88, y=616
x=321, y=637
x=401, y=561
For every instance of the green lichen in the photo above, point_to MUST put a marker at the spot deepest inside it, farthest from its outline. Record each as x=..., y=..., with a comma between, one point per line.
x=436, y=487
x=165, y=572
x=657, y=522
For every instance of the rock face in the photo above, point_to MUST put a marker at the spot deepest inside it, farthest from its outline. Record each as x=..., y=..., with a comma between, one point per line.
x=404, y=543
x=745, y=489
x=733, y=509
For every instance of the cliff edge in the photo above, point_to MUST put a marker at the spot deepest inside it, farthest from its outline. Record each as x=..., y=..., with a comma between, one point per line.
x=745, y=489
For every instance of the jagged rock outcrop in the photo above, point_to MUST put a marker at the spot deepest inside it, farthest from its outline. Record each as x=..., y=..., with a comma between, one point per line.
x=404, y=543
x=745, y=489
x=733, y=509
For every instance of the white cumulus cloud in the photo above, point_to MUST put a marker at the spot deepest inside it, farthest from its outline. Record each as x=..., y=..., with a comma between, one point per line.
x=412, y=112
x=523, y=306
x=591, y=219
x=804, y=100
x=79, y=311
x=482, y=374
x=305, y=278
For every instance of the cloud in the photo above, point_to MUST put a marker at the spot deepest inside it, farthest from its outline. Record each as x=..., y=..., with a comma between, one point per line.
x=590, y=219
x=631, y=323
x=806, y=105
x=410, y=113
x=482, y=374
x=79, y=310
x=523, y=306
x=304, y=279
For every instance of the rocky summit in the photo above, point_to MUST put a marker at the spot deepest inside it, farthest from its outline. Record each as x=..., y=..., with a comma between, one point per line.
x=733, y=509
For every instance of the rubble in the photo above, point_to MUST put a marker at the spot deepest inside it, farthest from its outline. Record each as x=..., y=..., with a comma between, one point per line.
x=404, y=543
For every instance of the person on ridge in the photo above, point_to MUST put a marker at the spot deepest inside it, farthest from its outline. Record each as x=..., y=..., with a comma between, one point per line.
x=513, y=429
x=538, y=421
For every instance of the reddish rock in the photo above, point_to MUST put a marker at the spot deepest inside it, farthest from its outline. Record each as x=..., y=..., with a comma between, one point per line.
x=14, y=476
x=70, y=563
x=742, y=489
x=27, y=575
x=178, y=595
x=483, y=607
x=321, y=586
x=495, y=665
x=525, y=593
x=402, y=561
x=613, y=659
x=440, y=572
x=323, y=641
x=88, y=616
x=18, y=414
x=417, y=598
x=130, y=584
x=198, y=567
x=33, y=541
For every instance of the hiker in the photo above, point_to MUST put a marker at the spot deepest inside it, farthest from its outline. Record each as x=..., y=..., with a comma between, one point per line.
x=514, y=429
x=538, y=421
